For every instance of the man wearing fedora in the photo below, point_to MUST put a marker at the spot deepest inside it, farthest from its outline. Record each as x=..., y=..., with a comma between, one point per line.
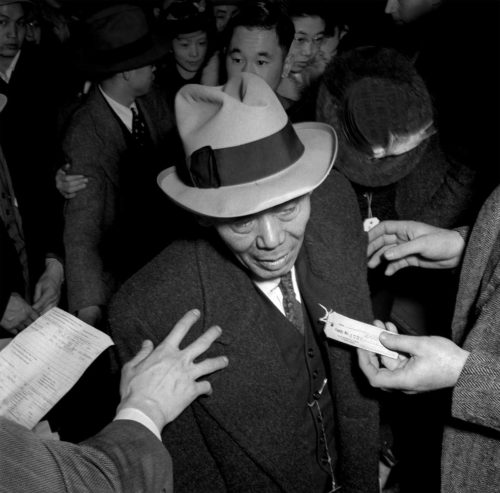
x=291, y=413
x=118, y=140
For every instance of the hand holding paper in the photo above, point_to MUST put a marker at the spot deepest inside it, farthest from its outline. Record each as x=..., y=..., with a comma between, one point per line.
x=432, y=363
x=43, y=362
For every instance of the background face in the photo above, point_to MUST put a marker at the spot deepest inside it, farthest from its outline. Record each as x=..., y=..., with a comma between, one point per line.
x=405, y=11
x=190, y=50
x=141, y=79
x=223, y=14
x=309, y=33
x=12, y=29
x=256, y=51
x=267, y=244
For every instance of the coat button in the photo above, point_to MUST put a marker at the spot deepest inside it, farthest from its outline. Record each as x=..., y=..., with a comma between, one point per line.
x=310, y=352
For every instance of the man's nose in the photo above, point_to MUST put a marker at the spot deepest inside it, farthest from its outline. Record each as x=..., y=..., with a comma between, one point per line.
x=12, y=30
x=391, y=6
x=250, y=69
x=193, y=52
x=270, y=233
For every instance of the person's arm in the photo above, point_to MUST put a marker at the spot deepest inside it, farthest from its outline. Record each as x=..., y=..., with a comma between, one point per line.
x=124, y=456
x=408, y=243
x=86, y=219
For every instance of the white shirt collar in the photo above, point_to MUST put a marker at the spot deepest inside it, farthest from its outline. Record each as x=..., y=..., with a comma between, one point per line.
x=271, y=290
x=8, y=73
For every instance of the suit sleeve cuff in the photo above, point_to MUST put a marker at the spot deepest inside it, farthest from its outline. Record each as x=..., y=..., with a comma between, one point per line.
x=134, y=414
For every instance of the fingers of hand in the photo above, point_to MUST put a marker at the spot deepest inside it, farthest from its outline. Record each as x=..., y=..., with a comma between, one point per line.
x=203, y=387
x=180, y=329
x=203, y=342
x=146, y=349
x=208, y=366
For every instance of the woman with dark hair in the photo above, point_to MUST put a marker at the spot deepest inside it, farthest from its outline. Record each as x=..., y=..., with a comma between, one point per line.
x=191, y=59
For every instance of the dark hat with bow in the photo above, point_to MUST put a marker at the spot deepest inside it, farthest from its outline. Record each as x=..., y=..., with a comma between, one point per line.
x=243, y=154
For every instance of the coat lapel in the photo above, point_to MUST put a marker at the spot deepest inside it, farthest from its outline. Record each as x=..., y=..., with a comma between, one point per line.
x=265, y=425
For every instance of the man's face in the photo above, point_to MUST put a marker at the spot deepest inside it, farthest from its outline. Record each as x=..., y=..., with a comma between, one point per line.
x=309, y=33
x=405, y=11
x=256, y=51
x=190, y=50
x=141, y=79
x=268, y=243
x=12, y=29
x=223, y=14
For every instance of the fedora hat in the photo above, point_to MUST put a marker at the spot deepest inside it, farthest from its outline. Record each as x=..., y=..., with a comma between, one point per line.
x=243, y=154
x=119, y=38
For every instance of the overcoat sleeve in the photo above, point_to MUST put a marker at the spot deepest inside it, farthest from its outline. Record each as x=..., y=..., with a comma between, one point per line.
x=89, y=215
x=123, y=457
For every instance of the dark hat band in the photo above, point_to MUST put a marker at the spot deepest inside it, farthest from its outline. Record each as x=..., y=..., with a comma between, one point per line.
x=124, y=52
x=246, y=163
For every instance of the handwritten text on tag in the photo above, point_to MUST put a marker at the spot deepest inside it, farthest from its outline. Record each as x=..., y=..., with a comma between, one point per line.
x=355, y=333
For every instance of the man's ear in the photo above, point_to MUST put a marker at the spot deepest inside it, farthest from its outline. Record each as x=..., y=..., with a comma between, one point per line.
x=126, y=75
x=287, y=66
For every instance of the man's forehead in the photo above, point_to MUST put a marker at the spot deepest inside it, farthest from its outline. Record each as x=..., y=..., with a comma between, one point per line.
x=254, y=36
x=225, y=8
x=12, y=10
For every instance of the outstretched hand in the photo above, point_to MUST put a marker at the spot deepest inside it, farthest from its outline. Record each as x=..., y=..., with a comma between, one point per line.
x=162, y=382
x=426, y=363
x=410, y=243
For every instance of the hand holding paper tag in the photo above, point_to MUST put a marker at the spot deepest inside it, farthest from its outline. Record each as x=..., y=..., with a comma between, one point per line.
x=355, y=333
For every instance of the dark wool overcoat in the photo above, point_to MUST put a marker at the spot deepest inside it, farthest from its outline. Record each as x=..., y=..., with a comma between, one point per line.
x=245, y=436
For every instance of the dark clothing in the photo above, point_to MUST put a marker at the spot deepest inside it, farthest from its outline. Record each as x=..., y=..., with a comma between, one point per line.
x=122, y=218
x=169, y=80
x=10, y=271
x=29, y=141
x=124, y=456
x=250, y=434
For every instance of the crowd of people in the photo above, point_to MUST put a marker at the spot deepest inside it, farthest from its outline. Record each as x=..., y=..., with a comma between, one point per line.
x=201, y=177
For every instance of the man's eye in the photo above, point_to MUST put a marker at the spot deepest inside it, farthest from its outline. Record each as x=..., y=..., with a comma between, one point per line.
x=262, y=62
x=242, y=226
x=289, y=211
x=235, y=60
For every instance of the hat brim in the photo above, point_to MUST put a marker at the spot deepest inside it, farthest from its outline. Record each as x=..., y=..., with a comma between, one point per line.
x=156, y=52
x=303, y=176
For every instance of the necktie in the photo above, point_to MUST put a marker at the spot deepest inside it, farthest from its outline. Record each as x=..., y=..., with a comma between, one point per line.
x=293, y=308
x=140, y=132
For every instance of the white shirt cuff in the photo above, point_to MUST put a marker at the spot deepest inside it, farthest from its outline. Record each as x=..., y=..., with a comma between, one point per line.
x=135, y=414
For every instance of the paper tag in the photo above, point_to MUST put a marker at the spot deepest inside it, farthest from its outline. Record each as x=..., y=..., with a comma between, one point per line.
x=370, y=223
x=355, y=333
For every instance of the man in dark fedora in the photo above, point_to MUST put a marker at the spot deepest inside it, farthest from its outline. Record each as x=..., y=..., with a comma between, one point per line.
x=117, y=140
x=291, y=413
